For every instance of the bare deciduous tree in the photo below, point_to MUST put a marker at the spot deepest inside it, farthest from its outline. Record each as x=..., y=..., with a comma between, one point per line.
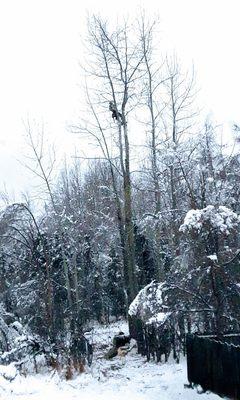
x=118, y=65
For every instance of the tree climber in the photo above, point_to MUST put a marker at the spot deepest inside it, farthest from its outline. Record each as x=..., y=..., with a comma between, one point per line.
x=115, y=113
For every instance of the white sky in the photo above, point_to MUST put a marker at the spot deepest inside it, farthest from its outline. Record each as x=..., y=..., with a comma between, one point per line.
x=40, y=45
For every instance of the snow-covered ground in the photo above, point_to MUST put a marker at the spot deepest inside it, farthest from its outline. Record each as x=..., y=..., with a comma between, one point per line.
x=120, y=379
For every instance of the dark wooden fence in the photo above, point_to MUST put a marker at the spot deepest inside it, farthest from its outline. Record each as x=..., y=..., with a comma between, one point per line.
x=215, y=365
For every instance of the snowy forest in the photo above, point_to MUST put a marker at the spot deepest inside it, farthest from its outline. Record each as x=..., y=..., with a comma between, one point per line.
x=146, y=229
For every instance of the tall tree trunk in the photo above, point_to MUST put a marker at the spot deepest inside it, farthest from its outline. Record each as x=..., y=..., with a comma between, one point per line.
x=131, y=278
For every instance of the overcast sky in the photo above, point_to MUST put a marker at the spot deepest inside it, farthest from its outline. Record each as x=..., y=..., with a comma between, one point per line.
x=40, y=44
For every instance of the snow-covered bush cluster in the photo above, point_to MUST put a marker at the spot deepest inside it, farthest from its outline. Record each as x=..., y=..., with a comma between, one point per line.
x=149, y=305
x=9, y=330
x=20, y=350
x=220, y=218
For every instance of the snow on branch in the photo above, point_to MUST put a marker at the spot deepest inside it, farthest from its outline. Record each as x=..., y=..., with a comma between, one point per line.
x=220, y=218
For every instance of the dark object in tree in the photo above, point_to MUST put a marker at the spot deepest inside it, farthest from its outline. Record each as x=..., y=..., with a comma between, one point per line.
x=116, y=115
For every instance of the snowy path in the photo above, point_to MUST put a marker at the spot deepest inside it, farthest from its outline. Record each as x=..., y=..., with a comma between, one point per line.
x=108, y=380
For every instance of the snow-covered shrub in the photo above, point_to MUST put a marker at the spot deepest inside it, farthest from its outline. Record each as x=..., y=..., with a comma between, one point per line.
x=152, y=322
x=18, y=346
x=149, y=305
x=8, y=372
x=220, y=218
x=211, y=245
